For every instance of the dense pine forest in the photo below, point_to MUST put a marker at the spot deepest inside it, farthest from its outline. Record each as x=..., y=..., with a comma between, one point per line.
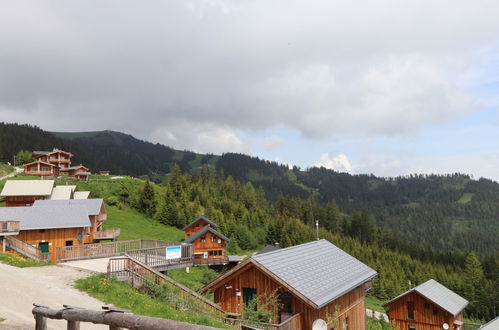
x=408, y=228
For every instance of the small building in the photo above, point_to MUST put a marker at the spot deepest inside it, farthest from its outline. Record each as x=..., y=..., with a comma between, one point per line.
x=209, y=246
x=104, y=172
x=57, y=157
x=79, y=172
x=47, y=228
x=96, y=211
x=82, y=195
x=314, y=282
x=41, y=168
x=25, y=192
x=429, y=306
x=63, y=192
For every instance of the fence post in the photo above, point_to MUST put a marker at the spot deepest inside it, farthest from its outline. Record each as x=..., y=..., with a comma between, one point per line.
x=73, y=325
x=41, y=322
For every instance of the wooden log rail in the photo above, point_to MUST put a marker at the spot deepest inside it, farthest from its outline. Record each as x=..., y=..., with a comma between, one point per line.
x=136, y=273
x=115, y=318
x=26, y=249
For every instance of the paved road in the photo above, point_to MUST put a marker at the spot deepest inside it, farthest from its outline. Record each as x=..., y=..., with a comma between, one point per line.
x=50, y=286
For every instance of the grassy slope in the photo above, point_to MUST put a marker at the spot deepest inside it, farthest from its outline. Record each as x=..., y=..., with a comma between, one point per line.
x=134, y=225
x=18, y=261
x=375, y=304
x=197, y=277
x=125, y=296
x=466, y=198
x=5, y=169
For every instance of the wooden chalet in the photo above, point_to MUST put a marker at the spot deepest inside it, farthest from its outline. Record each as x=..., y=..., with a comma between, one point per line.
x=41, y=168
x=96, y=214
x=79, y=172
x=25, y=192
x=57, y=157
x=209, y=245
x=429, y=306
x=314, y=281
x=46, y=228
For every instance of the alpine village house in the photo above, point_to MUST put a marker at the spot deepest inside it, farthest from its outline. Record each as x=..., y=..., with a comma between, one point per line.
x=48, y=217
x=54, y=163
x=314, y=282
x=429, y=306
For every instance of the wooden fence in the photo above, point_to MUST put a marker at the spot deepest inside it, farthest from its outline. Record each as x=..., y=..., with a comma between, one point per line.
x=9, y=226
x=26, y=249
x=107, y=234
x=138, y=274
x=293, y=323
x=102, y=250
x=115, y=318
x=158, y=258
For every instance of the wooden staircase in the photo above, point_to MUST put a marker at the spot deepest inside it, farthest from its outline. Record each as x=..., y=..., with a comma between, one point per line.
x=26, y=249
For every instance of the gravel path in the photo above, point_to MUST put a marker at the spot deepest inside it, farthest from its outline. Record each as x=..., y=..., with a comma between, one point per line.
x=50, y=286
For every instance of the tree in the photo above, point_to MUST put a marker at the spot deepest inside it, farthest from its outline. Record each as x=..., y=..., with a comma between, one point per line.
x=474, y=281
x=147, y=200
x=24, y=157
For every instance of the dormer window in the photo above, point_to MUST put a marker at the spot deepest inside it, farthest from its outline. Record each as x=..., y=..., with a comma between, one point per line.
x=203, y=239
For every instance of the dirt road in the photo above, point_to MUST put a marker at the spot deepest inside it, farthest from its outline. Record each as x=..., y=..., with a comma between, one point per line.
x=51, y=286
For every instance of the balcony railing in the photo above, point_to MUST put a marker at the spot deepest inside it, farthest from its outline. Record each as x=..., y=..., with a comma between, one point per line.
x=107, y=234
x=211, y=261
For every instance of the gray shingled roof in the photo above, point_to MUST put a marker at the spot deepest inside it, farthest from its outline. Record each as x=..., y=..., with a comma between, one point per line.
x=31, y=218
x=93, y=205
x=201, y=218
x=318, y=270
x=268, y=248
x=440, y=295
x=492, y=325
x=203, y=231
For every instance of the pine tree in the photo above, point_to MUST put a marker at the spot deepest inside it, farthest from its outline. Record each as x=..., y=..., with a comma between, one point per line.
x=474, y=281
x=147, y=200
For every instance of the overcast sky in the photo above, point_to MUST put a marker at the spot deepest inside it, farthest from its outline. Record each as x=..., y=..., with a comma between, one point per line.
x=383, y=87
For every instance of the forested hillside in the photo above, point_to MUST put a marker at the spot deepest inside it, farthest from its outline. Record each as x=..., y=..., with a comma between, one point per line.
x=443, y=213
x=251, y=221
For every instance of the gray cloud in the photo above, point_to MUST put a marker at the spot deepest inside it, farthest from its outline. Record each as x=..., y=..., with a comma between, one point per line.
x=197, y=74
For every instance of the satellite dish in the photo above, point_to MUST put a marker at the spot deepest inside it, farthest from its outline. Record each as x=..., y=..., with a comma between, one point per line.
x=445, y=326
x=319, y=324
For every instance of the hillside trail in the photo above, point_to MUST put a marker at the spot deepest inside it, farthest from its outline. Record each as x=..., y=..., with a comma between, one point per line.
x=51, y=286
x=13, y=174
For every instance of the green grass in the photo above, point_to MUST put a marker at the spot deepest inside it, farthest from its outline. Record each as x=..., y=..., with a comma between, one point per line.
x=18, y=261
x=466, y=198
x=135, y=225
x=375, y=304
x=197, y=277
x=124, y=296
x=2, y=319
x=5, y=169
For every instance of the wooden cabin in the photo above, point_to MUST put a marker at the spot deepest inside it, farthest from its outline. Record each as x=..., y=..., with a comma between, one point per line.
x=47, y=228
x=209, y=245
x=41, y=168
x=79, y=172
x=25, y=192
x=429, y=306
x=57, y=157
x=96, y=214
x=315, y=282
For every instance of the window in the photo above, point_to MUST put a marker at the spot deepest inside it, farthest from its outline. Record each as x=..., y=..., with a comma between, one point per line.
x=203, y=239
x=213, y=239
x=435, y=312
x=219, y=241
x=410, y=310
x=69, y=243
x=412, y=327
x=427, y=306
x=42, y=230
x=346, y=323
x=45, y=169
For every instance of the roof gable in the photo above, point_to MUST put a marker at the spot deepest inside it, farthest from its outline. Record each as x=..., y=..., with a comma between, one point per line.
x=81, y=194
x=28, y=188
x=438, y=294
x=211, y=223
x=62, y=192
x=202, y=232
x=39, y=162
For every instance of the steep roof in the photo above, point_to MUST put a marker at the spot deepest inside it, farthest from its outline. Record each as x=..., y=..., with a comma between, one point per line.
x=39, y=161
x=28, y=188
x=440, y=295
x=81, y=194
x=318, y=272
x=202, y=232
x=62, y=192
x=31, y=218
x=92, y=205
x=492, y=325
x=211, y=223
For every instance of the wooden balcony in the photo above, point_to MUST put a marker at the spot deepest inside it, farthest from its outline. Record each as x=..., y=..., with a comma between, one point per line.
x=8, y=228
x=211, y=261
x=39, y=173
x=107, y=234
